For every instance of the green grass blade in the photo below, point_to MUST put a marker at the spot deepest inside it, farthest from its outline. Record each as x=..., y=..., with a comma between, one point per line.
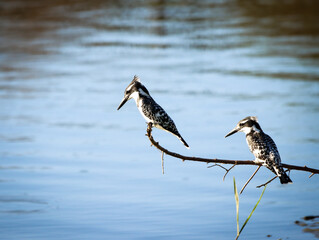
x=252, y=211
x=237, y=206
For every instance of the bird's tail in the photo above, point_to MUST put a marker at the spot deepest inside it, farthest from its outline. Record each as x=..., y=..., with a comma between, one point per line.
x=284, y=178
x=183, y=141
x=176, y=133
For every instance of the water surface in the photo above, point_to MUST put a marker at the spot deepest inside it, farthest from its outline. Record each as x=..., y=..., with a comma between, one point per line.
x=72, y=167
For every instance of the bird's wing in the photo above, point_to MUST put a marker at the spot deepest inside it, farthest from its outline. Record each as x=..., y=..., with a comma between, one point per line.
x=272, y=149
x=161, y=118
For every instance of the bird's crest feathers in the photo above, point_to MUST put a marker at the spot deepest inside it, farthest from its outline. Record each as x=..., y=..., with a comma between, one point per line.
x=136, y=79
x=253, y=118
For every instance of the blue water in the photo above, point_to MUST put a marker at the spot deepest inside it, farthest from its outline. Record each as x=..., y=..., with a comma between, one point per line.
x=72, y=167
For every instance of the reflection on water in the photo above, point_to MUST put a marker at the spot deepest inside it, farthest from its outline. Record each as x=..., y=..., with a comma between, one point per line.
x=74, y=167
x=310, y=225
x=23, y=200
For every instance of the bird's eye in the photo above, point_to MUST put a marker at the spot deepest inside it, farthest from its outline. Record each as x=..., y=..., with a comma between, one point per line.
x=241, y=124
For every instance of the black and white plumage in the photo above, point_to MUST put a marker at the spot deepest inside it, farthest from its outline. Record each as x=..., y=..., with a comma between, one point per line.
x=150, y=110
x=262, y=146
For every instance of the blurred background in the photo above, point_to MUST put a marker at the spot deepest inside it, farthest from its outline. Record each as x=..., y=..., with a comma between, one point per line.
x=72, y=167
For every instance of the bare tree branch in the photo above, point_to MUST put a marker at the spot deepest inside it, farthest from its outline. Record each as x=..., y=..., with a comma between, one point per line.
x=222, y=161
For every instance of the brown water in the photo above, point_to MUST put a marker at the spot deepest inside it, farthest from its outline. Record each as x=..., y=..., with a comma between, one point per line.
x=72, y=167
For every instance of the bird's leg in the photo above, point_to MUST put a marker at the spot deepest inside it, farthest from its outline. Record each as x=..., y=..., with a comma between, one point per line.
x=249, y=179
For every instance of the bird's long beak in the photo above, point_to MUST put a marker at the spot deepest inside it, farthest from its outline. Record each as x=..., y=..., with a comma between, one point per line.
x=122, y=103
x=232, y=132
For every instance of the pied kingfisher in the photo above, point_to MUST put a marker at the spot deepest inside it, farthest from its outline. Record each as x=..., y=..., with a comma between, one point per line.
x=262, y=146
x=150, y=110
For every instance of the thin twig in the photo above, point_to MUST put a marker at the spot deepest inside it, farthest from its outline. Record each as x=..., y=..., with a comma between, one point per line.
x=267, y=182
x=288, y=170
x=217, y=165
x=163, y=162
x=241, y=191
x=227, y=171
